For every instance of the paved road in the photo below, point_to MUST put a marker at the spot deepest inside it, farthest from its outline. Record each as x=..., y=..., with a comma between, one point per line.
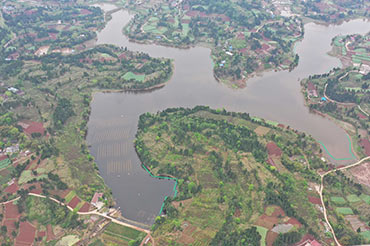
x=94, y=212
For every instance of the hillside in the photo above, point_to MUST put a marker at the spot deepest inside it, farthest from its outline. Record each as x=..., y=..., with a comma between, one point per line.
x=235, y=176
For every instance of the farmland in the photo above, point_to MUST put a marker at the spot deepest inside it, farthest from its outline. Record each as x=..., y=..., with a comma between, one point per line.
x=50, y=69
x=246, y=38
x=343, y=94
x=226, y=185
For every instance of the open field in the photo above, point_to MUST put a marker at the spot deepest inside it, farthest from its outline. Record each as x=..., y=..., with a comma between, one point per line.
x=224, y=171
x=338, y=200
x=344, y=211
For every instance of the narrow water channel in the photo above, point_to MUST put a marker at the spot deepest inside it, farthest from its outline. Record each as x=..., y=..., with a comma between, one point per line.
x=274, y=96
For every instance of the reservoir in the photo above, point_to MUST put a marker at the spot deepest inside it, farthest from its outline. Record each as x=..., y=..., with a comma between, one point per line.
x=274, y=96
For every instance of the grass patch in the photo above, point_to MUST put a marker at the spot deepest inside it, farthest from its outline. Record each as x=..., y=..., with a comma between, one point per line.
x=122, y=231
x=365, y=234
x=25, y=177
x=263, y=232
x=338, y=200
x=68, y=240
x=79, y=206
x=70, y=196
x=131, y=75
x=353, y=198
x=270, y=210
x=344, y=211
x=98, y=242
x=365, y=198
x=5, y=163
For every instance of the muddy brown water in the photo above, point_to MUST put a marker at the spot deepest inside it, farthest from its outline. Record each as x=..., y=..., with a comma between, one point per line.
x=274, y=96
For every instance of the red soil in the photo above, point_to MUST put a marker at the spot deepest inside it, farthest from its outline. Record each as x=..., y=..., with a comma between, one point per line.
x=30, y=127
x=267, y=221
x=271, y=237
x=85, y=208
x=3, y=157
x=278, y=211
x=50, y=233
x=361, y=116
x=73, y=203
x=273, y=149
x=271, y=162
x=11, y=211
x=294, y=222
x=26, y=234
x=10, y=226
x=36, y=190
x=365, y=144
x=41, y=234
x=13, y=188
x=314, y=200
x=237, y=212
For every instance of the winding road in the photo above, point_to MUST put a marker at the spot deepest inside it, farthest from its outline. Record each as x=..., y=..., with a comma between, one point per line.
x=322, y=188
x=341, y=103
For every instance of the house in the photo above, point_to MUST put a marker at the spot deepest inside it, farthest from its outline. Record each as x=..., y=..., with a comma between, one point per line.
x=12, y=149
x=323, y=99
x=95, y=200
x=13, y=90
x=311, y=89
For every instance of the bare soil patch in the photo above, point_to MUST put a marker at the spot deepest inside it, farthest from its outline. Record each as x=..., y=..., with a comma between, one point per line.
x=267, y=221
x=355, y=222
x=362, y=173
x=261, y=130
x=26, y=233
x=271, y=237
x=11, y=211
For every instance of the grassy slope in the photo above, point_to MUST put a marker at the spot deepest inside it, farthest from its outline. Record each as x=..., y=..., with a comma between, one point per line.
x=204, y=211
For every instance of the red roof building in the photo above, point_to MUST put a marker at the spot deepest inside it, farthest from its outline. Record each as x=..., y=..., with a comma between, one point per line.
x=311, y=89
x=95, y=198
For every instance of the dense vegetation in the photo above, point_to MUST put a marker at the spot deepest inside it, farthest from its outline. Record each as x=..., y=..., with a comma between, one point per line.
x=225, y=178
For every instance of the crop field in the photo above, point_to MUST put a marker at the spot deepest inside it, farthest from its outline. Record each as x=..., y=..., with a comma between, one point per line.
x=338, y=200
x=122, y=232
x=263, y=231
x=365, y=198
x=365, y=234
x=344, y=211
x=137, y=77
x=5, y=163
x=70, y=196
x=353, y=198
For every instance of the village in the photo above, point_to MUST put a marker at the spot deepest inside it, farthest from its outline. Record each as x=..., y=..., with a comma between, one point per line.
x=240, y=49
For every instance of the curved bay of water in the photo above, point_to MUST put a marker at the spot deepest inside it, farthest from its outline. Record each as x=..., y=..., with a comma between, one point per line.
x=274, y=96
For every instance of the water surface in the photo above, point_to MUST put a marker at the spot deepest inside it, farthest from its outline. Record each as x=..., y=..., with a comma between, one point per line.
x=274, y=96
